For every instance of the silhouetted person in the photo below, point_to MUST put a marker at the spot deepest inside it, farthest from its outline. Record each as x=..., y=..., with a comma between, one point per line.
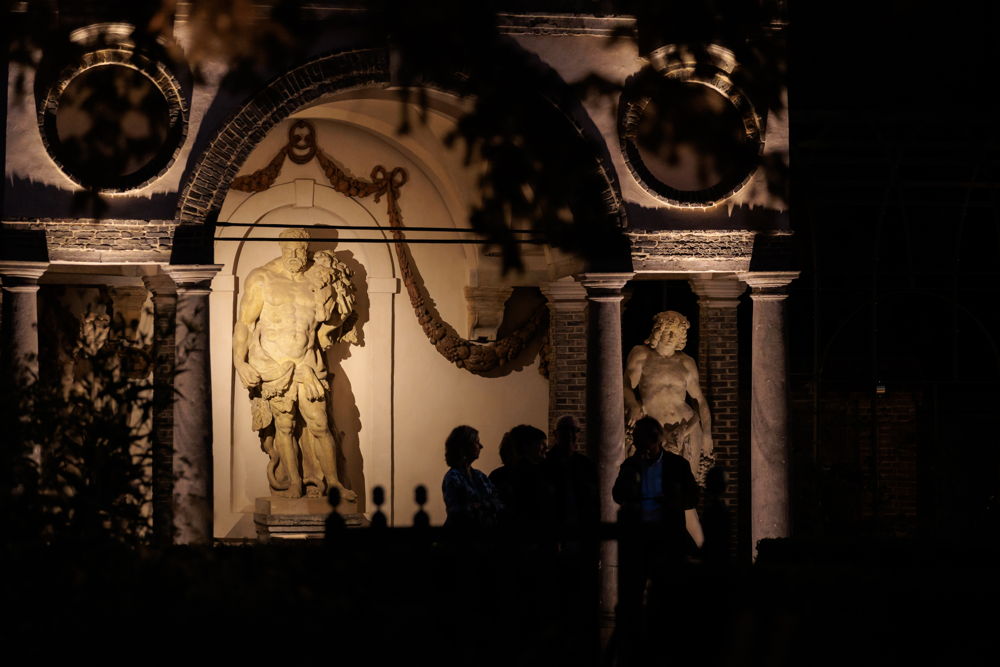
x=658, y=527
x=469, y=497
x=572, y=477
x=531, y=498
x=501, y=477
x=716, y=518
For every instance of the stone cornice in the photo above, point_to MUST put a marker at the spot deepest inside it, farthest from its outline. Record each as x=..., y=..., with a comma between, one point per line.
x=768, y=285
x=564, y=294
x=555, y=23
x=715, y=291
x=192, y=277
x=593, y=280
x=16, y=273
x=604, y=286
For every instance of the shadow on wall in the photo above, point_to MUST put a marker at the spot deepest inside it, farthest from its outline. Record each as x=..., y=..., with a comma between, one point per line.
x=345, y=418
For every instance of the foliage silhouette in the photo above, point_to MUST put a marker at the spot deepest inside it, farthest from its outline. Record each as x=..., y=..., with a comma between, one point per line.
x=76, y=461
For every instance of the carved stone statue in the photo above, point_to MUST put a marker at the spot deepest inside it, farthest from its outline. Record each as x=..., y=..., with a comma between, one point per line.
x=659, y=377
x=293, y=308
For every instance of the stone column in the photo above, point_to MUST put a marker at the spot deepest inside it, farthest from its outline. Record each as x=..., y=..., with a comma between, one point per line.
x=164, y=293
x=567, y=302
x=770, y=514
x=718, y=369
x=192, y=451
x=20, y=315
x=606, y=407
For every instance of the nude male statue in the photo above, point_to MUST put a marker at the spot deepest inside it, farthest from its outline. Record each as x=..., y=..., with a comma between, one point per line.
x=293, y=308
x=659, y=377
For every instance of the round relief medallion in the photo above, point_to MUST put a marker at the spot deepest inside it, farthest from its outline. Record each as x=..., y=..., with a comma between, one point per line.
x=114, y=119
x=688, y=135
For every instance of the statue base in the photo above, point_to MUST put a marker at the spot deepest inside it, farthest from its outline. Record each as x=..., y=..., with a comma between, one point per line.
x=299, y=518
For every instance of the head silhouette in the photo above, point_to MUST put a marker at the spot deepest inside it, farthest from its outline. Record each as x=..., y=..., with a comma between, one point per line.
x=567, y=432
x=462, y=446
x=647, y=436
x=529, y=443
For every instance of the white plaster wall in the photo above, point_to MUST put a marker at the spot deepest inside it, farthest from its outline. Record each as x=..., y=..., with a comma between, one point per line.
x=395, y=396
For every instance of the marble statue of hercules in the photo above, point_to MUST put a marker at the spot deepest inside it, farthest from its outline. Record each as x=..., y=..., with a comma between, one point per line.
x=293, y=308
x=659, y=377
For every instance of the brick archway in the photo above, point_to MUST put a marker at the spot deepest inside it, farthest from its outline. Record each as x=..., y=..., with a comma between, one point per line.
x=208, y=182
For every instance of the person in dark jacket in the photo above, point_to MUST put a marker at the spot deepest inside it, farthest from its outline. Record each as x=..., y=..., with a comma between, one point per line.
x=656, y=489
x=572, y=477
x=531, y=497
x=658, y=530
x=501, y=477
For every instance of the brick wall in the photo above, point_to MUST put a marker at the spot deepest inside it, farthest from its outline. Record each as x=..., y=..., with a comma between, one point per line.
x=568, y=367
x=105, y=240
x=837, y=475
x=718, y=365
x=727, y=250
x=893, y=473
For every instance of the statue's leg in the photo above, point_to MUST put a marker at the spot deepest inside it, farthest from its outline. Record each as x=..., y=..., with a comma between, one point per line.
x=323, y=444
x=284, y=443
x=312, y=471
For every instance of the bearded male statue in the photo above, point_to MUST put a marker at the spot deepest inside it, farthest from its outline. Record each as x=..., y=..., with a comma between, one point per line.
x=292, y=309
x=659, y=378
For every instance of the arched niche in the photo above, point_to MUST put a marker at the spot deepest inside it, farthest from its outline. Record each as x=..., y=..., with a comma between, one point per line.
x=408, y=396
x=361, y=376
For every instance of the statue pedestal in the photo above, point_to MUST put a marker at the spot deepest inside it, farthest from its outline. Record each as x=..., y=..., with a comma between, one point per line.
x=299, y=518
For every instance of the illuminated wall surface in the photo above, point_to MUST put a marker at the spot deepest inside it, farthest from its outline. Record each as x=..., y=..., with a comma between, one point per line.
x=395, y=398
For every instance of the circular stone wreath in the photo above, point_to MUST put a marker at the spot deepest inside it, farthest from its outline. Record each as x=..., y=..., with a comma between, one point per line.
x=116, y=50
x=714, y=75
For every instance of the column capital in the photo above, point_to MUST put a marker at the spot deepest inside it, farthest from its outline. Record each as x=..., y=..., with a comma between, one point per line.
x=718, y=290
x=565, y=294
x=192, y=278
x=604, y=286
x=21, y=276
x=768, y=285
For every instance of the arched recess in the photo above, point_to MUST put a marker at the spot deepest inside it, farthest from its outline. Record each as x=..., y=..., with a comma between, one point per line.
x=358, y=409
x=209, y=180
x=208, y=183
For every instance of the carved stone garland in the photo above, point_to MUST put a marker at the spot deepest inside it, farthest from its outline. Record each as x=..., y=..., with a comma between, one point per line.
x=475, y=357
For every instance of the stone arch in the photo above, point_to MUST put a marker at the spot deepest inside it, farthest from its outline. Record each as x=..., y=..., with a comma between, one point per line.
x=209, y=180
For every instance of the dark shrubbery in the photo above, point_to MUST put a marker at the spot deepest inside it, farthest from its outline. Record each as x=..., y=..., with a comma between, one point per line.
x=75, y=460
